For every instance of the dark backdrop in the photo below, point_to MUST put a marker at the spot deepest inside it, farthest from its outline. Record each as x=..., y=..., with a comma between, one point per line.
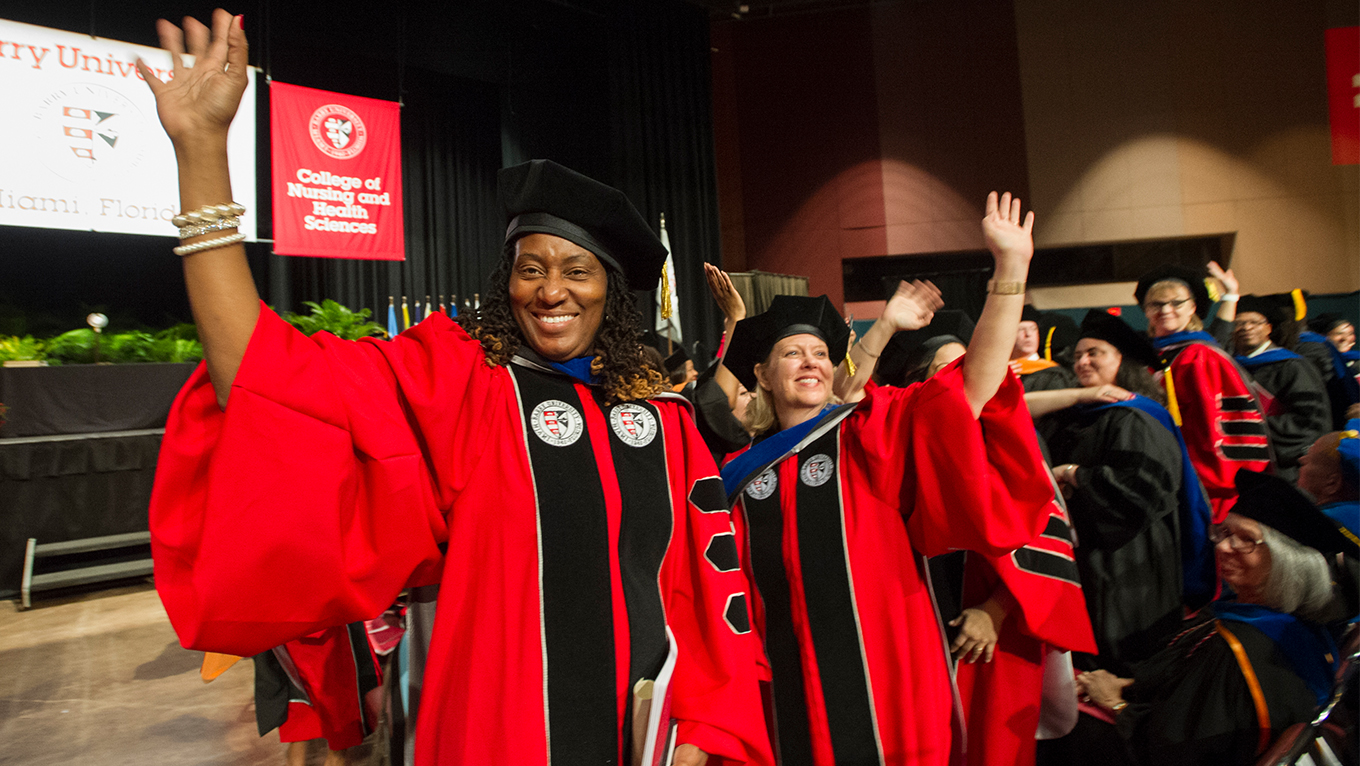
x=615, y=89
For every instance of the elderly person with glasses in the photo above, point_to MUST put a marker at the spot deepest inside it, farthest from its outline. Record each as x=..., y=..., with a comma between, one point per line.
x=1249, y=666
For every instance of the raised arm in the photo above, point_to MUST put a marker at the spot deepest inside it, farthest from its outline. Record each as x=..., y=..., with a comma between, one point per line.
x=1012, y=244
x=1042, y=403
x=196, y=108
x=734, y=310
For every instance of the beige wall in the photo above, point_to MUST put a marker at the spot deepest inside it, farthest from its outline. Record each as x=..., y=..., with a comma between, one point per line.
x=1186, y=117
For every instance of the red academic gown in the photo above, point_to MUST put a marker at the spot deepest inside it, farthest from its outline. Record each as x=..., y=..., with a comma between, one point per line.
x=1040, y=586
x=837, y=529
x=1221, y=420
x=566, y=535
x=340, y=679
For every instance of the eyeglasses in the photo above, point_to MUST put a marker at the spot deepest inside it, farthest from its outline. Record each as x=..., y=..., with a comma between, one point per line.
x=1249, y=323
x=1155, y=307
x=1219, y=532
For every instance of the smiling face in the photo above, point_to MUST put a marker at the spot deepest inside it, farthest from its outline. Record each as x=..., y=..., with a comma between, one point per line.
x=1245, y=572
x=797, y=373
x=1169, y=308
x=1342, y=336
x=1096, y=362
x=557, y=295
x=1250, y=330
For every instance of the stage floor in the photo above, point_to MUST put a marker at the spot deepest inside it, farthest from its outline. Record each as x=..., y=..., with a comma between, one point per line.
x=100, y=678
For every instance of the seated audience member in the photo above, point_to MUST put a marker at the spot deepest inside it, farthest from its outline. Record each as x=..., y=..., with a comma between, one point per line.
x=1332, y=341
x=1265, y=332
x=1122, y=467
x=1208, y=394
x=1252, y=665
x=1037, y=372
x=1330, y=473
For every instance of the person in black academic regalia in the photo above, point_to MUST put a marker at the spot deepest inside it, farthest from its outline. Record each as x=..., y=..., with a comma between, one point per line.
x=1265, y=333
x=1250, y=666
x=1120, y=464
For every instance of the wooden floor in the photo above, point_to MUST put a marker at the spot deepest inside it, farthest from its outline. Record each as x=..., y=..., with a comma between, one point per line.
x=99, y=678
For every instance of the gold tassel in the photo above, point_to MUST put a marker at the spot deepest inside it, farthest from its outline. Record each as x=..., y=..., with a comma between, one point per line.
x=1171, y=404
x=1300, y=305
x=849, y=365
x=665, y=293
x=1212, y=286
x=1048, y=343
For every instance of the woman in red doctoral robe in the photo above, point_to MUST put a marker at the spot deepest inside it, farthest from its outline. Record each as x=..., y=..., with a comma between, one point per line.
x=524, y=461
x=842, y=502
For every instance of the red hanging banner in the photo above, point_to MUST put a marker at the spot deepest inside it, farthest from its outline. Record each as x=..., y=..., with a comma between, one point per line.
x=1343, y=93
x=336, y=174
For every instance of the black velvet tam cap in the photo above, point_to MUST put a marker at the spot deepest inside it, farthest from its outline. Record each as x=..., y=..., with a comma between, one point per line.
x=1031, y=314
x=1116, y=332
x=676, y=362
x=1276, y=307
x=910, y=351
x=1277, y=504
x=787, y=315
x=542, y=197
x=1193, y=280
x=1326, y=322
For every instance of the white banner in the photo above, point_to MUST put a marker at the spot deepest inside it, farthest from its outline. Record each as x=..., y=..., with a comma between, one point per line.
x=80, y=144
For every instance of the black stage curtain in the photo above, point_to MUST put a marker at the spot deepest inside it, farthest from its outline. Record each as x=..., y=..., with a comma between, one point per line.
x=662, y=131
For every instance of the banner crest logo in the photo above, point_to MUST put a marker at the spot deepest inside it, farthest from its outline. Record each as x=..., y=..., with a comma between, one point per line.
x=337, y=131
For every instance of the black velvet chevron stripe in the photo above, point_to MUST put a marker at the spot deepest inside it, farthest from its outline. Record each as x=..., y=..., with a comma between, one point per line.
x=830, y=606
x=1048, y=564
x=1243, y=428
x=1245, y=453
x=1238, y=404
x=578, y=617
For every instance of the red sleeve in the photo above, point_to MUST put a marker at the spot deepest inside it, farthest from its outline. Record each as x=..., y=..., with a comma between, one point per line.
x=311, y=500
x=715, y=693
x=963, y=483
x=1210, y=393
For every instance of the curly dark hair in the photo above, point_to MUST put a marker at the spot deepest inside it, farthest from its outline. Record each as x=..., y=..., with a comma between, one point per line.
x=619, y=357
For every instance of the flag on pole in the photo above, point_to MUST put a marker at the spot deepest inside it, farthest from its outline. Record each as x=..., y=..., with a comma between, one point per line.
x=667, y=299
x=443, y=309
x=428, y=308
x=391, y=317
x=453, y=306
x=405, y=314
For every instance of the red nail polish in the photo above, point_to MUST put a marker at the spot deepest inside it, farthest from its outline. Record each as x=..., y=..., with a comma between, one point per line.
x=241, y=21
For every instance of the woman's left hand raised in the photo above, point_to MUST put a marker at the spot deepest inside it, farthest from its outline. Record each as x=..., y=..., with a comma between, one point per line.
x=913, y=305
x=1008, y=236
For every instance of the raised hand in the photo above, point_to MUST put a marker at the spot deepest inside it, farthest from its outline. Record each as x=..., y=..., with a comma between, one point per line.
x=728, y=299
x=1225, y=277
x=913, y=305
x=199, y=102
x=1006, y=235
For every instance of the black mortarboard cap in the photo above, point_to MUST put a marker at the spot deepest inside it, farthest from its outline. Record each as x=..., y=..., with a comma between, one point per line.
x=787, y=315
x=1192, y=279
x=1132, y=344
x=909, y=351
x=542, y=197
x=1277, y=504
x=1030, y=314
x=1276, y=307
x=676, y=361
